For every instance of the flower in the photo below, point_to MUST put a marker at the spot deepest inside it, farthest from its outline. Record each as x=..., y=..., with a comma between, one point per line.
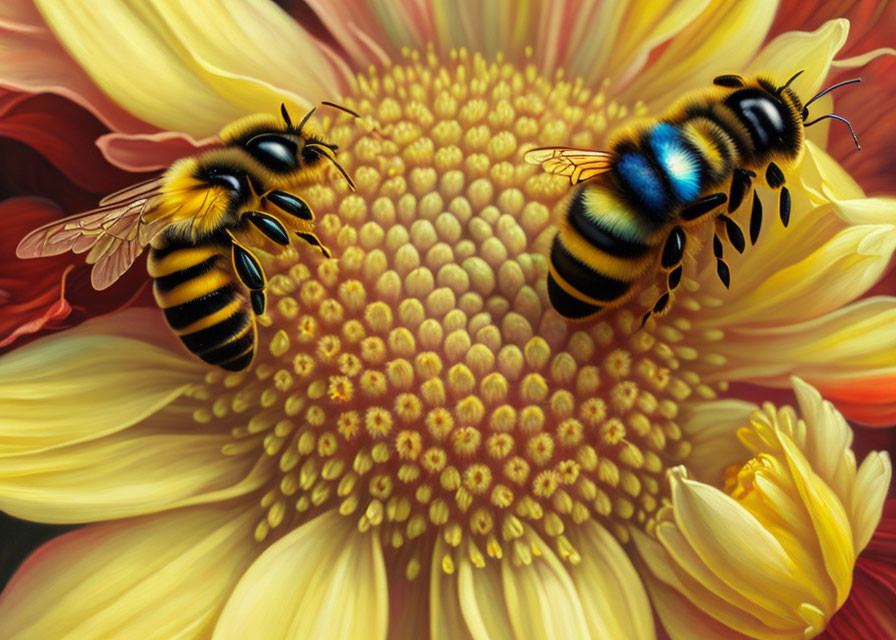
x=423, y=446
x=771, y=554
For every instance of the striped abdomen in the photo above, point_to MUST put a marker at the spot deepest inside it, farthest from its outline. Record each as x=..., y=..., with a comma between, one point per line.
x=602, y=248
x=202, y=301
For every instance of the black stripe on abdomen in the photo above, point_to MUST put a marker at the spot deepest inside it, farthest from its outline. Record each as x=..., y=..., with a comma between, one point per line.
x=598, y=236
x=583, y=278
x=568, y=305
x=183, y=315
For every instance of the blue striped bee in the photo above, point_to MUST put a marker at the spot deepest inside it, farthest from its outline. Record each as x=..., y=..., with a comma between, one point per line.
x=634, y=205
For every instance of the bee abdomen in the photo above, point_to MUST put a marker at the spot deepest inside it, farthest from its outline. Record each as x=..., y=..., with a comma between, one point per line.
x=582, y=277
x=203, y=304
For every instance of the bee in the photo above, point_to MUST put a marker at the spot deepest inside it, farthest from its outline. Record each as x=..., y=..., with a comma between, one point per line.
x=634, y=206
x=200, y=219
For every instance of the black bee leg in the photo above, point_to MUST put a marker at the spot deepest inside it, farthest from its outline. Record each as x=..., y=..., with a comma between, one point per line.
x=269, y=226
x=735, y=235
x=313, y=240
x=673, y=253
x=703, y=206
x=755, y=218
x=248, y=269
x=293, y=205
x=721, y=265
x=741, y=181
x=775, y=178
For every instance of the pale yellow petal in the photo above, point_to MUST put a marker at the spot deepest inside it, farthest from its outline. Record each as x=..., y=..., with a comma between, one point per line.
x=614, y=39
x=722, y=39
x=789, y=291
x=99, y=378
x=813, y=51
x=712, y=427
x=868, y=496
x=195, y=66
x=827, y=441
x=322, y=580
x=481, y=598
x=446, y=620
x=829, y=518
x=130, y=473
x=155, y=578
x=541, y=598
x=825, y=180
x=613, y=598
x=855, y=341
x=733, y=543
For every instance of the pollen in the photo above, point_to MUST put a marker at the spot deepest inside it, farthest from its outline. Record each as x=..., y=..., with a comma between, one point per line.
x=419, y=381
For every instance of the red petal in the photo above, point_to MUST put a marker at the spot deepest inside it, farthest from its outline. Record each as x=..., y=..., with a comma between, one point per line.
x=868, y=613
x=51, y=293
x=65, y=134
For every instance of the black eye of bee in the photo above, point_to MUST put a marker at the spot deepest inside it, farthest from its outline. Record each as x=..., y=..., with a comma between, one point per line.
x=762, y=116
x=276, y=152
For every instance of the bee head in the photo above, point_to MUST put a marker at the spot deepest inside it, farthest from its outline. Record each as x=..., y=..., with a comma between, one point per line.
x=771, y=115
x=291, y=151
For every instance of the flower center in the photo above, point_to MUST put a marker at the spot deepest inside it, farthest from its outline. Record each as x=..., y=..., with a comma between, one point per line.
x=419, y=382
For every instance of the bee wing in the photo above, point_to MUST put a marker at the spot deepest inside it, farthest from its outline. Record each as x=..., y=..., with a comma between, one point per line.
x=577, y=164
x=133, y=192
x=114, y=235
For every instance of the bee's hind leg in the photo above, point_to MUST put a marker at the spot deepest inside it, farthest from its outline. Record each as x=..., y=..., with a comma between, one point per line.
x=670, y=261
x=250, y=272
x=775, y=178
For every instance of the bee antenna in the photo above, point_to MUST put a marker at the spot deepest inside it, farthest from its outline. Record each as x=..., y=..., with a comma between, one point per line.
x=285, y=115
x=836, y=117
x=829, y=89
x=348, y=178
x=340, y=108
x=305, y=119
x=787, y=84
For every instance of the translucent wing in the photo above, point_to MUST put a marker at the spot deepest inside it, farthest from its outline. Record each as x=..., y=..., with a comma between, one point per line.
x=577, y=164
x=133, y=192
x=114, y=235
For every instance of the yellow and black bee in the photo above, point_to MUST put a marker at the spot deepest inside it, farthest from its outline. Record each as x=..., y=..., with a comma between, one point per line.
x=200, y=218
x=661, y=178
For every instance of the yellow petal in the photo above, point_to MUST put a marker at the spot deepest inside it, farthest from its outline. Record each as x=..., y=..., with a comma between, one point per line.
x=832, y=526
x=733, y=543
x=612, y=596
x=712, y=428
x=855, y=341
x=541, y=598
x=130, y=473
x=481, y=598
x=617, y=39
x=156, y=577
x=722, y=40
x=786, y=290
x=84, y=383
x=195, y=66
x=322, y=580
x=795, y=50
x=825, y=180
x=868, y=495
x=446, y=619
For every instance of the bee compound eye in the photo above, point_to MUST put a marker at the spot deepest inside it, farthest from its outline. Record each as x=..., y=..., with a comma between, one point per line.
x=275, y=152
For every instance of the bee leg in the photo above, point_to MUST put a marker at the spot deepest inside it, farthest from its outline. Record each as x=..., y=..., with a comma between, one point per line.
x=735, y=235
x=775, y=178
x=269, y=226
x=293, y=205
x=313, y=240
x=673, y=253
x=740, y=185
x=248, y=269
x=721, y=266
x=755, y=218
x=703, y=206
